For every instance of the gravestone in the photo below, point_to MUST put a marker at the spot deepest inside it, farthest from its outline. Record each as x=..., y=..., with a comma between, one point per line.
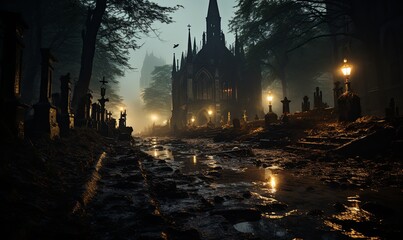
x=337, y=92
x=45, y=121
x=349, y=105
x=286, y=109
x=270, y=117
x=122, y=119
x=306, y=105
x=236, y=123
x=11, y=48
x=286, y=105
x=317, y=99
x=392, y=111
x=66, y=116
x=103, y=126
x=94, y=115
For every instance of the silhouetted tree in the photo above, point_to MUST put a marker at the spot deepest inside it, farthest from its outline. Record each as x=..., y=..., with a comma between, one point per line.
x=271, y=30
x=114, y=26
x=157, y=97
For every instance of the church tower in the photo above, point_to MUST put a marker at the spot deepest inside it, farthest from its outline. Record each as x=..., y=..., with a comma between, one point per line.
x=213, y=21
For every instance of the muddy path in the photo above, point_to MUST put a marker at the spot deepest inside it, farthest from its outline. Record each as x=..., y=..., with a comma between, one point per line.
x=197, y=189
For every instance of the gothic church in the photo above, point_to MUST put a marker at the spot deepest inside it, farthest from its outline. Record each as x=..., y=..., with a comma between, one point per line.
x=214, y=79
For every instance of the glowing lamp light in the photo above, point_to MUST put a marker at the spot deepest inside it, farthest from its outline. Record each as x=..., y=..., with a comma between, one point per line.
x=210, y=112
x=193, y=120
x=346, y=69
x=270, y=98
x=154, y=117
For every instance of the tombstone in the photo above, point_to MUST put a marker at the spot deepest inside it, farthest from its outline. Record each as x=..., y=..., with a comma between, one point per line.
x=45, y=121
x=337, y=92
x=349, y=107
x=391, y=112
x=306, y=105
x=317, y=99
x=244, y=116
x=66, y=116
x=286, y=109
x=103, y=126
x=94, y=114
x=286, y=105
x=270, y=118
x=56, y=102
x=236, y=123
x=11, y=48
x=122, y=119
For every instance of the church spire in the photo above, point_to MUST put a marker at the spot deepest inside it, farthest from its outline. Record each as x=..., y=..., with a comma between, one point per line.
x=213, y=21
x=190, y=51
x=213, y=9
x=174, y=65
x=182, y=61
x=194, y=47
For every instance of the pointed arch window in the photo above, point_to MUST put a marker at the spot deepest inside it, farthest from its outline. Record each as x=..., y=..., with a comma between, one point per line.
x=203, y=86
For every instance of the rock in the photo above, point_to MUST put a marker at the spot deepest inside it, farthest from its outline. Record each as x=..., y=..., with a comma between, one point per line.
x=218, y=199
x=315, y=212
x=161, y=161
x=214, y=174
x=247, y=194
x=276, y=206
x=177, y=234
x=239, y=215
x=377, y=209
x=339, y=207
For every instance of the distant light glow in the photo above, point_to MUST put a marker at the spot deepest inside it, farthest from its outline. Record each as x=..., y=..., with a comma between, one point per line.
x=210, y=112
x=194, y=159
x=346, y=68
x=154, y=117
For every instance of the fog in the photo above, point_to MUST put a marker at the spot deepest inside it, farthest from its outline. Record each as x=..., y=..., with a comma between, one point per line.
x=194, y=12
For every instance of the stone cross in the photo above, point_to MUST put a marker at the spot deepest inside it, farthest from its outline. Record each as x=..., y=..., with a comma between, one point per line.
x=306, y=105
x=286, y=105
x=317, y=99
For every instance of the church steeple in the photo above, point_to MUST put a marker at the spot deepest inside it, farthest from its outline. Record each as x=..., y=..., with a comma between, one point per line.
x=213, y=22
x=174, y=65
x=194, y=47
x=190, y=51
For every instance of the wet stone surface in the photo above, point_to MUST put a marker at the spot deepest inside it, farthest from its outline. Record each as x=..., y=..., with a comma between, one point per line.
x=197, y=189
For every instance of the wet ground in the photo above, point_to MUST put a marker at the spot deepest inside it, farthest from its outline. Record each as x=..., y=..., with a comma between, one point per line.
x=197, y=189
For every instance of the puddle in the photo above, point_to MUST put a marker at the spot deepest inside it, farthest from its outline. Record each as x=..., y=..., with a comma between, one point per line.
x=293, y=204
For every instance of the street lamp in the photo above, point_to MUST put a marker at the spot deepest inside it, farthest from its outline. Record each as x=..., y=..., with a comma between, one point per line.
x=346, y=70
x=270, y=99
x=210, y=112
x=154, y=118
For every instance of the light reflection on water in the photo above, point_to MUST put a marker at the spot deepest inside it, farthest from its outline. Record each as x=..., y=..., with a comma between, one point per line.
x=269, y=185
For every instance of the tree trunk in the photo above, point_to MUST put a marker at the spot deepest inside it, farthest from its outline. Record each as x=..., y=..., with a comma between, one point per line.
x=93, y=24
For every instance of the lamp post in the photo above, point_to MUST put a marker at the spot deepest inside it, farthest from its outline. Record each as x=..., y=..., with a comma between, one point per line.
x=270, y=99
x=349, y=103
x=210, y=112
x=346, y=70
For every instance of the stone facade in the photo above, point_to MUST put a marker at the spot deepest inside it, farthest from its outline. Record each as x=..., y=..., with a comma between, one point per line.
x=214, y=79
